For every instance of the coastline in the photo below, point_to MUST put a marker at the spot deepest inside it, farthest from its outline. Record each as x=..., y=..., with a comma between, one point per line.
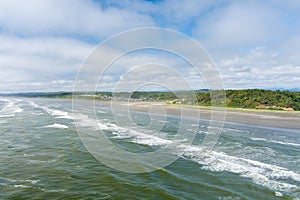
x=263, y=118
x=253, y=117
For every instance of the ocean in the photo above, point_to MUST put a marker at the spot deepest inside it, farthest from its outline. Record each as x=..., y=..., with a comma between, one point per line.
x=42, y=156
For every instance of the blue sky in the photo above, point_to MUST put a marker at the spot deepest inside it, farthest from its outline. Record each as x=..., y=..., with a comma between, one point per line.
x=254, y=44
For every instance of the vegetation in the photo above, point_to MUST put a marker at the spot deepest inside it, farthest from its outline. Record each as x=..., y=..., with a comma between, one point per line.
x=257, y=98
x=270, y=99
x=250, y=98
x=158, y=96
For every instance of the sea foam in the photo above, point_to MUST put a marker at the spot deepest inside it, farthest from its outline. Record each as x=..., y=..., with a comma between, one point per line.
x=277, y=141
x=10, y=108
x=261, y=173
x=267, y=175
x=56, y=125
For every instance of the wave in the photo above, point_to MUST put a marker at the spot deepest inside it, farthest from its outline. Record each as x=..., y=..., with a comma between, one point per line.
x=18, y=182
x=10, y=108
x=6, y=115
x=56, y=125
x=276, y=141
x=267, y=175
x=59, y=114
x=258, y=139
x=261, y=173
x=121, y=132
x=100, y=111
x=21, y=186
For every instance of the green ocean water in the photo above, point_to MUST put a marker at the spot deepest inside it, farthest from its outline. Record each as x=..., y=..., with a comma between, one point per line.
x=42, y=157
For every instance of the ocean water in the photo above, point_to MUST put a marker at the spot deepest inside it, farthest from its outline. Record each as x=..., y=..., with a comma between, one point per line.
x=42, y=157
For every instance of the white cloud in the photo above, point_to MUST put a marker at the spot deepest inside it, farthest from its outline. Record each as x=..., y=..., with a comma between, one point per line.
x=175, y=14
x=259, y=68
x=25, y=61
x=242, y=24
x=135, y=69
x=69, y=17
x=289, y=49
x=43, y=43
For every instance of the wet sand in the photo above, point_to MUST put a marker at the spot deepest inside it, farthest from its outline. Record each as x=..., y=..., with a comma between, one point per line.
x=275, y=119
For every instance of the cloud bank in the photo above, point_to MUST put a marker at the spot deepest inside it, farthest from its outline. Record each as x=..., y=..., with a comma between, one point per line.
x=254, y=44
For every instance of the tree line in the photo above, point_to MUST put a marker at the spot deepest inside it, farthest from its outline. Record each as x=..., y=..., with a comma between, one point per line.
x=247, y=98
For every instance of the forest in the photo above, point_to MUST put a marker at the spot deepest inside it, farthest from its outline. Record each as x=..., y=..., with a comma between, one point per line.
x=246, y=98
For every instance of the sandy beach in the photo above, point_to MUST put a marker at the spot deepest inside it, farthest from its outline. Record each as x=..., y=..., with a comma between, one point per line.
x=269, y=118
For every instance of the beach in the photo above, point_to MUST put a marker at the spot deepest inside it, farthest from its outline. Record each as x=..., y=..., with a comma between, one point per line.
x=267, y=118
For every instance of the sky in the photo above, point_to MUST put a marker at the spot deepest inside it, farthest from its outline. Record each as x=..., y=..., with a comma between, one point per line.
x=254, y=44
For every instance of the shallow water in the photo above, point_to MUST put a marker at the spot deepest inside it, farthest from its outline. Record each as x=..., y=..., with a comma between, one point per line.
x=42, y=157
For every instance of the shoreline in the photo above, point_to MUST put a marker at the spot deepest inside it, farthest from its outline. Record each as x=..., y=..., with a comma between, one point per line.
x=237, y=109
x=262, y=118
x=253, y=117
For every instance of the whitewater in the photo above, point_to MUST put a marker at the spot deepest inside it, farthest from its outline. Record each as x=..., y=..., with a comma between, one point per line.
x=42, y=156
